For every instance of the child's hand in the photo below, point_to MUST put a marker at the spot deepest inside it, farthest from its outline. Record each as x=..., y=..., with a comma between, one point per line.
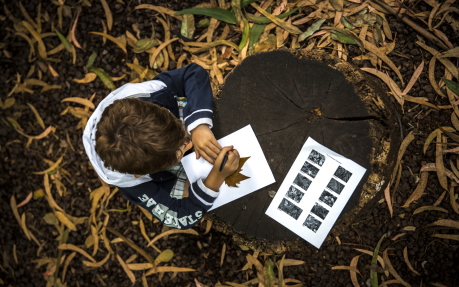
x=216, y=177
x=231, y=164
x=205, y=144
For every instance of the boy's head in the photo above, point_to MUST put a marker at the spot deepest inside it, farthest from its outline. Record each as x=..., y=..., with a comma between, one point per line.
x=138, y=137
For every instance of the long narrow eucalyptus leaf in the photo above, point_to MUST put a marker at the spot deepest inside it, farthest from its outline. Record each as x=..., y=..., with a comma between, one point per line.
x=91, y=59
x=264, y=20
x=453, y=86
x=247, y=2
x=245, y=35
x=314, y=27
x=63, y=40
x=374, y=261
x=105, y=78
x=255, y=34
x=217, y=13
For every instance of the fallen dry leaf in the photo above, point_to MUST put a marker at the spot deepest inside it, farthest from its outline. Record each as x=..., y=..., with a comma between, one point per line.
x=236, y=178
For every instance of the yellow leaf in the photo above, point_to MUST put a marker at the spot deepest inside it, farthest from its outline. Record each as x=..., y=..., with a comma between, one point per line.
x=88, y=78
x=108, y=14
x=51, y=168
x=41, y=45
x=126, y=269
x=37, y=116
x=62, y=218
x=68, y=246
x=173, y=231
x=111, y=38
x=81, y=101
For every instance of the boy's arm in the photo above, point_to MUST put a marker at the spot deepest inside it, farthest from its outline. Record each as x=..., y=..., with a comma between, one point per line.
x=173, y=212
x=193, y=83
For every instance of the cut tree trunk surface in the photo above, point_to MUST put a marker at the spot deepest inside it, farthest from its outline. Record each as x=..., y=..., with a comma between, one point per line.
x=288, y=96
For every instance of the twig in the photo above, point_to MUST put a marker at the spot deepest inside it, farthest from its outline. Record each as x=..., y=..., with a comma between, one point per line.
x=413, y=25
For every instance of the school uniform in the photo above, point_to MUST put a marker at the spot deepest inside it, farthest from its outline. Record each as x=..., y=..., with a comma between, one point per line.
x=152, y=191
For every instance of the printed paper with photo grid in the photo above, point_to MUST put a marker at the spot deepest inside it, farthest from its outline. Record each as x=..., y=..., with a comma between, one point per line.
x=315, y=191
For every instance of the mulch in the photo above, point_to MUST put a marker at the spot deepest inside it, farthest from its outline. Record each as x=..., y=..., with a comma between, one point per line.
x=436, y=260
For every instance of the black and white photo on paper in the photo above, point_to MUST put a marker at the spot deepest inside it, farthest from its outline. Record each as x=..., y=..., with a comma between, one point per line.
x=295, y=194
x=316, y=158
x=309, y=169
x=302, y=181
x=319, y=210
x=290, y=208
x=327, y=198
x=312, y=223
x=343, y=174
x=335, y=186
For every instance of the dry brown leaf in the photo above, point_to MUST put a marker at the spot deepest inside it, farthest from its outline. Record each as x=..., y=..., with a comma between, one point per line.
x=409, y=228
x=439, y=161
x=450, y=53
x=222, y=257
x=64, y=219
x=428, y=208
x=447, y=63
x=353, y=269
x=419, y=190
x=159, y=9
x=84, y=102
x=447, y=236
x=68, y=246
x=66, y=265
x=406, y=141
x=49, y=196
x=392, y=270
x=279, y=22
x=432, y=77
x=50, y=87
x=36, y=36
x=158, y=50
x=97, y=264
x=168, y=269
x=447, y=223
x=414, y=78
x=26, y=200
x=236, y=178
x=52, y=167
x=379, y=258
x=172, y=231
x=37, y=116
x=388, y=198
x=131, y=244
x=126, y=269
x=88, y=78
x=113, y=39
x=353, y=274
x=397, y=93
x=407, y=261
x=108, y=14
x=372, y=48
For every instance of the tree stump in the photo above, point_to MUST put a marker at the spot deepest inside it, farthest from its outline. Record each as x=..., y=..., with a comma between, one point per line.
x=288, y=96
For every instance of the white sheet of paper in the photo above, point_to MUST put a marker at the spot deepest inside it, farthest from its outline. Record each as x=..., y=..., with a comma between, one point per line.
x=315, y=191
x=256, y=167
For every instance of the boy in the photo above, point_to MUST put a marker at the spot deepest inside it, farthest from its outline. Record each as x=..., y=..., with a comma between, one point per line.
x=135, y=140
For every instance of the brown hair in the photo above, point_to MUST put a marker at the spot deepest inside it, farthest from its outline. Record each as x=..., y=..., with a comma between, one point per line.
x=138, y=137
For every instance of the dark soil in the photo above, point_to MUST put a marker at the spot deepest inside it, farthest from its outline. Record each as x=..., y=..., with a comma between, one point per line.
x=437, y=260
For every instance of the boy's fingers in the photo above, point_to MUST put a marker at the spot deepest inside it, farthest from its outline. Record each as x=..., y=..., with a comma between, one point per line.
x=208, y=158
x=197, y=154
x=215, y=143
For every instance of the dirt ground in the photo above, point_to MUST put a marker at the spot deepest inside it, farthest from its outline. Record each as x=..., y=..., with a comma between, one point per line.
x=32, y=261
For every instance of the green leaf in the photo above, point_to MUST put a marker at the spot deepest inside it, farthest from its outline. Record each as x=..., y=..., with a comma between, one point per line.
x=453, y=86
x=105, y=78
x=264, y=20
x=165, y=256
x=346, y=23
x=255, y=34
x=313, y=28
x=337, y=36
x=245, y=35
x=91, y=59
x=63, y=40
x=203, y=23
x=247, y=2
x=217, y=13
x=374, y=261
x=268, y=273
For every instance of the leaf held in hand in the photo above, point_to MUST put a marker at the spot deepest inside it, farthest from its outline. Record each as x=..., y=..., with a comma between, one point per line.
x=236, y=178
